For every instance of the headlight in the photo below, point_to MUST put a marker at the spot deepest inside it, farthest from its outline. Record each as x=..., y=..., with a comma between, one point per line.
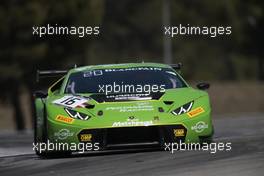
x=77, y=115
x=183, y=109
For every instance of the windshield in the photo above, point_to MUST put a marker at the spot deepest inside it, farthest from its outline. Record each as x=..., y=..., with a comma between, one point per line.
x=124, y=80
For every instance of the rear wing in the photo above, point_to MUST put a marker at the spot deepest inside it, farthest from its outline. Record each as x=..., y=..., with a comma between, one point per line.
x=50, y=73
x=58, y=73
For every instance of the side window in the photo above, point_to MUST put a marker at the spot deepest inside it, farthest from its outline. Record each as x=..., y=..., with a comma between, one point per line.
x=57, y=85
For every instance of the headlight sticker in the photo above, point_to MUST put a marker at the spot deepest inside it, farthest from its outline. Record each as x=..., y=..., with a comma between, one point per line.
x=183, y=109
x=195, y=112
x=77, y=115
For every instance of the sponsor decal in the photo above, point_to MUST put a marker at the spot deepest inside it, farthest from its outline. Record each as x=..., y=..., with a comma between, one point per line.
x=71, y=101
x=178, y=132
x=199, y=127
x=63, y=134
x=138, y=107
x=133, y=69
x=64, y=119
x=128, y=96
x=132, y=123
x=195, y=112
x=92, y=73
x=86, y=137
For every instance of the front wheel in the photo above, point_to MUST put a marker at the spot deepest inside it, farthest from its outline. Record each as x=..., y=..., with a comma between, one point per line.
x=41, y=138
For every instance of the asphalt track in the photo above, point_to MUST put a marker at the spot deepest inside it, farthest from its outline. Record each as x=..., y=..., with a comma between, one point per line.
x=246, y=133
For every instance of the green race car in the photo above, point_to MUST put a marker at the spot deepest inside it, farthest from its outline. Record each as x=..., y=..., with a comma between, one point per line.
x=106, y=107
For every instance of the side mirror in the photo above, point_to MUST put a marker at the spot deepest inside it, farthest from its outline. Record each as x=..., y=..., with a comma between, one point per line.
x=40, y=94
x=176, y=66
x=203, y=86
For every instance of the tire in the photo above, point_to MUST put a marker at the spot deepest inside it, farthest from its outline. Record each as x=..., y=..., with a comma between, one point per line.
x=207, y=139
x=44, y=139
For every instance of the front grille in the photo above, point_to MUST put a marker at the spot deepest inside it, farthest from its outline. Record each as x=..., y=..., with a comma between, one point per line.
x=132, y=135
